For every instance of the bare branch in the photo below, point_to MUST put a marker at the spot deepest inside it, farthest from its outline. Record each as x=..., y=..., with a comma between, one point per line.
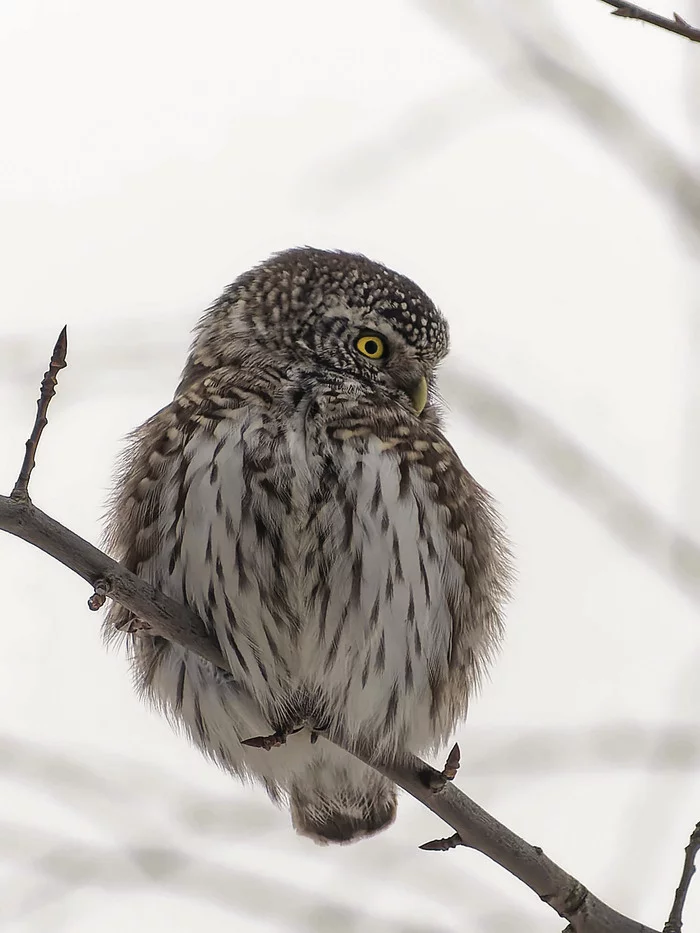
x=477, y=829
x=473, y=826
x=166, y=618
x=48, y=390
x=677, y=24
x=675, y=918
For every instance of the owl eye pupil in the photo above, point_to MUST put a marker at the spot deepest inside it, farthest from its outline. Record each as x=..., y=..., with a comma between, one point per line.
x=371, y=346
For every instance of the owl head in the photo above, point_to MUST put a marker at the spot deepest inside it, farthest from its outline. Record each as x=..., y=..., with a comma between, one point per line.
x=331, y=316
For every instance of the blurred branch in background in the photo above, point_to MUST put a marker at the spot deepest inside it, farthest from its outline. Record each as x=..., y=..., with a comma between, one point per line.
x=127, y=798
x=530, y=39
x=527, y=51
x=533, y=42
x=404, y=141
x=689, y=487
x=135, y=801
x=63, y=865
x=566, y=463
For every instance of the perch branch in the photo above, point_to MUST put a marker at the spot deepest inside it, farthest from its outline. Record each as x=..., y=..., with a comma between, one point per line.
x=677, y=24
x=473, y=827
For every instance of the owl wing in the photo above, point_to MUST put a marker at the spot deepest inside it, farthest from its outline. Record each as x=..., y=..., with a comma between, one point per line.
x=153, y=478
x=133, y=528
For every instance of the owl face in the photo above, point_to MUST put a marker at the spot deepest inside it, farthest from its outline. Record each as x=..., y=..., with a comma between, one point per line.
x=332, y=315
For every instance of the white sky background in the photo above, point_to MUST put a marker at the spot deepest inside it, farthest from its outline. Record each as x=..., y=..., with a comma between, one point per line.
x=149, y=153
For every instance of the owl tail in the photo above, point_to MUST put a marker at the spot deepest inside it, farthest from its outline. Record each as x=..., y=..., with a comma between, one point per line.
x=341, y=802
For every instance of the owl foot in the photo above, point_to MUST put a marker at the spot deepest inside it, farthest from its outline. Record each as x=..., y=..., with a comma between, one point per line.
x=131, y=625
x=269, y=742
x=436, y=780
x=442, y=845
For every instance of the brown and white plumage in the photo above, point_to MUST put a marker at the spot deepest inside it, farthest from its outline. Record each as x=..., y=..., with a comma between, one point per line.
x=300, y=498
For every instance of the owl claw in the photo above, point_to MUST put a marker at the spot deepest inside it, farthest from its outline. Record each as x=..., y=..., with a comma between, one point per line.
x=131, y=625
x=267, y=742
x=442, y=845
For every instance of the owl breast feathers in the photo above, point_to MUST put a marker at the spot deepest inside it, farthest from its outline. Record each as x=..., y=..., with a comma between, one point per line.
x=298, y=493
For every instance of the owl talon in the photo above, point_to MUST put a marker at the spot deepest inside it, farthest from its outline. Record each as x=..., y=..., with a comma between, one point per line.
x=443, y=845
x=267, y=742
x=131, y=625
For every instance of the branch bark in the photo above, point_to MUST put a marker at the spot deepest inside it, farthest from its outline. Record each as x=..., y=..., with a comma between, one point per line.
x=677, y=24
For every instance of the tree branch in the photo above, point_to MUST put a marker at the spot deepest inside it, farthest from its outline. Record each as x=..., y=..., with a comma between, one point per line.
x=473, y=827
x=677, y=24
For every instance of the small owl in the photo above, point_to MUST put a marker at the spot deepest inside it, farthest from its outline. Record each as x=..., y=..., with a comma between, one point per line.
x=299, y=495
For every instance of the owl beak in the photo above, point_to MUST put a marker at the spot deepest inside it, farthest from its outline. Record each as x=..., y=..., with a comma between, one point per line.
x=419, y=395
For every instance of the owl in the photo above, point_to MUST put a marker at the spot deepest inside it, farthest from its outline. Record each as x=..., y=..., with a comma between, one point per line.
x=298, y=493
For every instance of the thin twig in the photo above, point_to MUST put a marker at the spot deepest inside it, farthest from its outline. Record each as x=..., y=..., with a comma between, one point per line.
x=48, y=389
x=675, y=918
x=473, y=826
x=677, y=24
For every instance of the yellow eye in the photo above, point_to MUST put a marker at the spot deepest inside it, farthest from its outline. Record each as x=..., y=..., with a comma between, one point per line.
x=372, y=346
